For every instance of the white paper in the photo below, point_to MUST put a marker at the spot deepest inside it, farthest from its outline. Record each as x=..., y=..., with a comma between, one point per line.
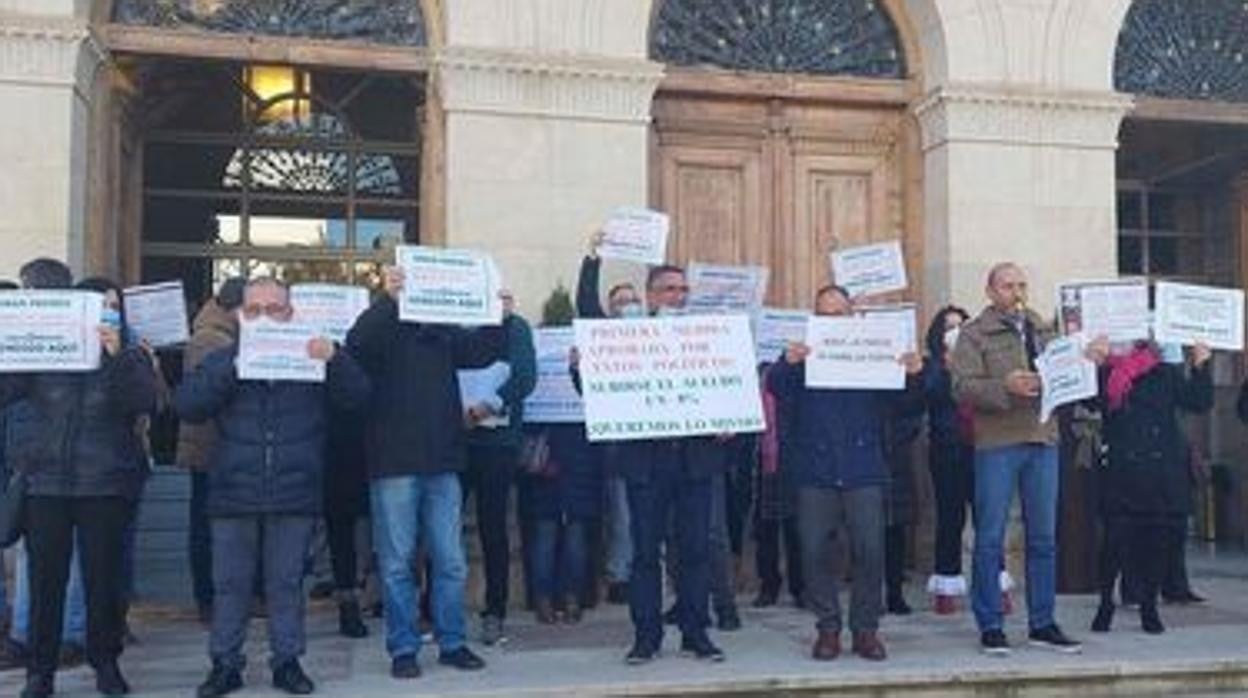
x=49, y=331
x=277, y=351
x=441, y=286
x=668, y=377
x=635, y=235
x=870, y=269
x=1116, y=309
x=775, y=330
x=1189, y=314
x=554, y=400
x=906, y=315
x=1066, y=375
x=480, y=386
x=725, y=290
x=855, y=353
x=157, y=313
x=332, y=308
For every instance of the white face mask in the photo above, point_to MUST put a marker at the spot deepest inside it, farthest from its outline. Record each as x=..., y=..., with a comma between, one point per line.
x=951, y=337
x=632, y=310
x=1172, y=353
x=664, y=311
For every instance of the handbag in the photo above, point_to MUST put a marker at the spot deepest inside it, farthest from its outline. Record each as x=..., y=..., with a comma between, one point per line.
x=12, y=510
x=535, y=457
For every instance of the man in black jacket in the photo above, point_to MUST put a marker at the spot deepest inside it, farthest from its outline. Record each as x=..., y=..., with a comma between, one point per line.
x=266, y=473
x=416, y=449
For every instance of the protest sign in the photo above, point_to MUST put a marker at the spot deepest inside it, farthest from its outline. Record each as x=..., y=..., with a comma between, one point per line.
x=1189, y=314
x=156, y=313
x=668, y=377
x=1066, y=375
x=331, y=308
x=277, y=351
x=635, y=235
x=725, y=290
x=906, y=315
x=855, y=353
x=457, y=287
x=554, y=400
x=870, y=270
x=480, y=386
x=46, y=331
x=1115, y=309
x=775, y=330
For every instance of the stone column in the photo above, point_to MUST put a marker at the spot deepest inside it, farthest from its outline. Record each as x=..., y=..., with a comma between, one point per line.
x=47, y=68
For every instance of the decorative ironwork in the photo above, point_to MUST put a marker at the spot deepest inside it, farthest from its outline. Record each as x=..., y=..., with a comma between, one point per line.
x=828, y=37
x=1185, y=50
x=309, y=171
x=382, y=21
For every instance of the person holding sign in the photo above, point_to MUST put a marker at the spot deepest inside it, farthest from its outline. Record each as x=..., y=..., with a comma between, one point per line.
x=842, y=475
x=416, y=446
x=1147, y=483
x=266, y=474
x=994, y=371
x=73, y=437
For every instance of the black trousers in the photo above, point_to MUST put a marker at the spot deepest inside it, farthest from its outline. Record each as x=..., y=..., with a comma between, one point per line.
x=1140, y=549
x=345, y=504
x=953, y=480
x=491, y=470
x=895, y=558
x=100, y=523
x=767, y=534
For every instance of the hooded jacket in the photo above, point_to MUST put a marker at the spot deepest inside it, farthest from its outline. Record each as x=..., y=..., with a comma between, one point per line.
x=214, y=328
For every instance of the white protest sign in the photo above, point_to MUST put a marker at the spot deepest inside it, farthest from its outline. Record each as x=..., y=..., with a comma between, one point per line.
x=906, y=315
x=457, y=287
x=554, y=400
x=1189, y=314
x=775, y=330
x=277, y=351
x=635, y=235
x=725, y=290
x=668, y=377
x=47, y=331
x=332, y=308
x=1116, y=309
x=1066, y=375
x=156, y=313
x=870, y=270
x=855, y=353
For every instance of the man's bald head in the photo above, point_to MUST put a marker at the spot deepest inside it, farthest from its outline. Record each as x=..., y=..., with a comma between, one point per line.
x=1007, y=287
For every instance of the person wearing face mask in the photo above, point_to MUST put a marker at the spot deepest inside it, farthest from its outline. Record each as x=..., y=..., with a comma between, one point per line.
x=994, y=371
x=266, y=472
x=623, y=301
x=838, y=443
x=76, y=443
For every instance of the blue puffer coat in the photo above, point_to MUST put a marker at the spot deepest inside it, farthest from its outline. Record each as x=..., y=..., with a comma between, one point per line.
x=270, y=453
x=835, y=438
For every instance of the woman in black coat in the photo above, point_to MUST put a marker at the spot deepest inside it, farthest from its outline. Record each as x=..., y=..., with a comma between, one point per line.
x=1147, y=491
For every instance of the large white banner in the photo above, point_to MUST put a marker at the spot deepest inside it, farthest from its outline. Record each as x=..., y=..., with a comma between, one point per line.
x=455, y=287
x=870, y=270
x=635, y=235
x=725, y=290
x=46, y=331
x=277, y=351
x=856, y=353
x=554, y=400
x=332, y=308
x=906, y=315
x=1066, y=375
x=668, y=377
x=776, y=329
x=156, y=313
x=1116, y=309
x=1189, y=314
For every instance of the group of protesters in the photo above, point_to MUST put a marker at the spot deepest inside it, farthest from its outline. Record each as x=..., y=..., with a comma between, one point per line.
x=827, y=486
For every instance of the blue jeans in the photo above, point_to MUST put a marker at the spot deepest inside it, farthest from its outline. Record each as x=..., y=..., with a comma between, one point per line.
x=1032, y=469
x=74, y=626
x=619, y=542
x=558, y=559
x=406, y=510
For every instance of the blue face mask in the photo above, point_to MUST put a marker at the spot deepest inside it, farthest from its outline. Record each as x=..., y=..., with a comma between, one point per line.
x=111, y=318
x=1172, y=353
x=632, y=310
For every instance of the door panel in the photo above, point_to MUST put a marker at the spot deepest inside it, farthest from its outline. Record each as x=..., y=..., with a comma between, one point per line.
x=714, y=196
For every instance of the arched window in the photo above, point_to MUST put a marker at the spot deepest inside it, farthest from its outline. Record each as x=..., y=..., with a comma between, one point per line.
x=1184, y=49
x=382, y=21
x=825, y=37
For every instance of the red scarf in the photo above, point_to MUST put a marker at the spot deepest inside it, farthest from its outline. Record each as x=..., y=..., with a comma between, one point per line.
x=1124, y=370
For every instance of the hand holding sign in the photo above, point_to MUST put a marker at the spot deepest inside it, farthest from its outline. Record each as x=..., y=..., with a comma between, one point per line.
x=1022, y=383
x=321, y=349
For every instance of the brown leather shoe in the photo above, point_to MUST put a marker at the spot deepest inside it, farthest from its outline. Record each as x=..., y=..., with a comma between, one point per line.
x=868, y=646
x=827, y=646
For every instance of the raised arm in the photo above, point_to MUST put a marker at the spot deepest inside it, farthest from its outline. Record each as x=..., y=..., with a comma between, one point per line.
x=523, y=360
x=588, y=302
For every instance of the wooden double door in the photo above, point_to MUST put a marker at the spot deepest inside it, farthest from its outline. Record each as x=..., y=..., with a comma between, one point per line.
x=770, y=172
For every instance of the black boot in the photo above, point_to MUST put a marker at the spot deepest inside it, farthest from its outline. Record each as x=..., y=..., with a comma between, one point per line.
x=897, y=605
x=222, y=681
x=37, y=686
x=350, y=621
x=289, y=677
x=1104, y=617
x=109, y=681
x=1150, y=621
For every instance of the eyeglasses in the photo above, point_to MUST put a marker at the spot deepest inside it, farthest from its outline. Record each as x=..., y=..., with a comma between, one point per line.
x=673, y=288
x=276, y=311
